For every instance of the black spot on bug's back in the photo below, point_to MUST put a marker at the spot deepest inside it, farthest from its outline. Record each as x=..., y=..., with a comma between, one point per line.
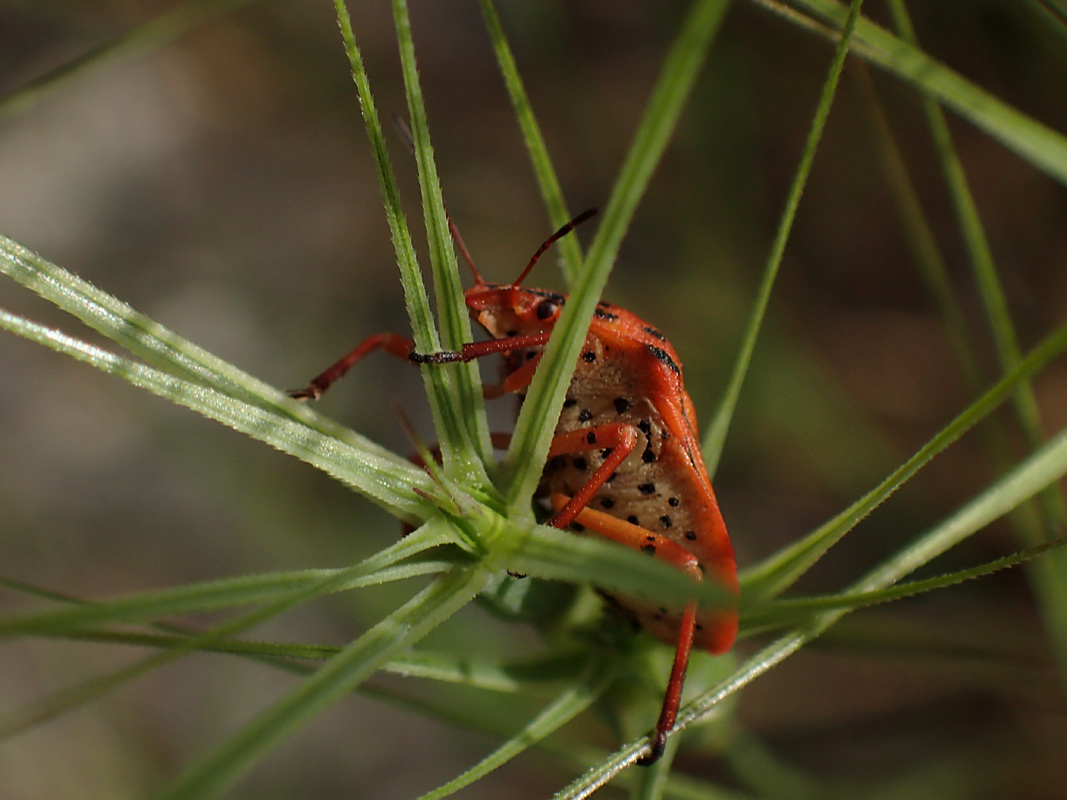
x=585, y=415
x=607, y=503
x=648, y=456
x=664, y=358
x=647, y=488
x=645, y=426
x=621, y=405
x=580, y=464
x=665, y=521
x=691, y=535
x=588, y=356
x=600, y=313
x=653, y=332
x=569, y=402
x=590, y=437
x=673, y=502
x=632, y=519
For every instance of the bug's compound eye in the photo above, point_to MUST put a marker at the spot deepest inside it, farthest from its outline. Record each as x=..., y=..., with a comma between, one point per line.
x=546, y=309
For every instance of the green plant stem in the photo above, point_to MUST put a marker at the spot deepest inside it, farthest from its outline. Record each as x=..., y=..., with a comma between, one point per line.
x=715, y=438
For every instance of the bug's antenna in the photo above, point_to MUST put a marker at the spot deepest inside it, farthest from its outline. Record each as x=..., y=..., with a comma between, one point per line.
x=570, y=226
x=405, y=133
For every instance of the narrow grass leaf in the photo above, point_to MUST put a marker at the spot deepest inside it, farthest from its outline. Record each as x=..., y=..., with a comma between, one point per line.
x=569, y=248
x=1040, y=145
x=156, y=344
x=557, y=555
x=570, y=703
x=336, y=678
x=778, y=572
x=229, y=593
x=451, y=308
x=1030, y=477
x=387, y=480
x=715, y=438
x=535, y=426
x=791, y=611
x=68, y=699
x=1052, y=594
x=158, y=32
x=443, y=396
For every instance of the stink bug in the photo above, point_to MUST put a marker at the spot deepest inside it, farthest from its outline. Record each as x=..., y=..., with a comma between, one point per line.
x=625, y=460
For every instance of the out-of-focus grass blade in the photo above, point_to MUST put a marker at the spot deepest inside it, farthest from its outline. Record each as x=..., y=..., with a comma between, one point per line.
x=157, y=32
x=570, y=703
x=715, y=438
x=340, y=675
x=569, y=248
x=779, y=571
x=1038, y=144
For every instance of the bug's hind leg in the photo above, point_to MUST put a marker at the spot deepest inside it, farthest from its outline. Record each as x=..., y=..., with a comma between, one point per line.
x=660, y=547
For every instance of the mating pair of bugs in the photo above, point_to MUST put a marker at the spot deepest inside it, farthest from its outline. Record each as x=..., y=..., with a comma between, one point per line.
x=625, y=460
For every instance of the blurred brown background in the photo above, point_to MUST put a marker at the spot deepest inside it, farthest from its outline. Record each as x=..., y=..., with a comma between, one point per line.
x=223, y=186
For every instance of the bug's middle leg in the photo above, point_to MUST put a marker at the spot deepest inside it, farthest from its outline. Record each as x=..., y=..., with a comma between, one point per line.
x=616, y=439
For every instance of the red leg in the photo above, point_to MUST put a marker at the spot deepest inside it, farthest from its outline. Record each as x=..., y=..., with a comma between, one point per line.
x=619, y=437
x=634, y=536
x=392, y=343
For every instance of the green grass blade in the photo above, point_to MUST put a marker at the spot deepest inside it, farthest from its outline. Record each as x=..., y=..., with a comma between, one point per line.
x=557, y=555
x=569, y=248
x=229, y=593
x=985, y=271
x=147, y=38
x=1052, y=593
x=156, y=344
x=534, y=429
x=33, y=713
x=443, y=397
x=791, y=611
x=336, y=678
x=451, y=308
x=779, y=571
x=566, y=707
x=919, y=234
x=387, y=480
x=1040, y=145
x=715, y=438
x=1030, y=477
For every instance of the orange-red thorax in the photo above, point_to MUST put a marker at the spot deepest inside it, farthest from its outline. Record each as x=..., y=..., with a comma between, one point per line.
x=628, y=372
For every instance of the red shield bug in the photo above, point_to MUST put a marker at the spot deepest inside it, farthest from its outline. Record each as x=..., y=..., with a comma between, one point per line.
x=625, y=460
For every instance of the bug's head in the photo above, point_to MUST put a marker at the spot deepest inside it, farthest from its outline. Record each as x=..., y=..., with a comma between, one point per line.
x=507, y=310
x=512, y=310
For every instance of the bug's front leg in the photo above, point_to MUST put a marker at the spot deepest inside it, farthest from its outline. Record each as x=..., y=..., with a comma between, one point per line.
x=392, y=343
